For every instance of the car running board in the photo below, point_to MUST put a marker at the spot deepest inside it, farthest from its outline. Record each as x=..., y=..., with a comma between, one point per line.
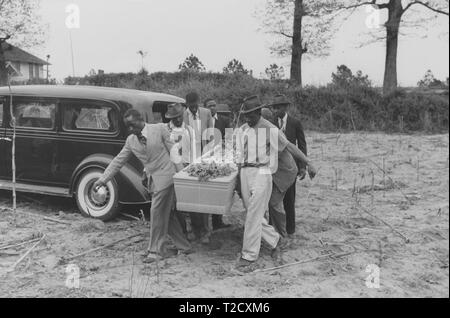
x=33, y=188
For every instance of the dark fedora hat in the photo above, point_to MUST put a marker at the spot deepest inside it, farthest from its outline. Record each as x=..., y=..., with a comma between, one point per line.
x=210, y=102
x=174, y=110
x=223, y=109
x=251, y=104
x=279, y=100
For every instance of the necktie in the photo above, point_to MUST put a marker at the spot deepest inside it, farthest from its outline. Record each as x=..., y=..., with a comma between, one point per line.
x=142, y=139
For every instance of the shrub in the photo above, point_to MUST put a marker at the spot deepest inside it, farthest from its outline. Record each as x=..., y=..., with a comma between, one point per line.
x=329, y=108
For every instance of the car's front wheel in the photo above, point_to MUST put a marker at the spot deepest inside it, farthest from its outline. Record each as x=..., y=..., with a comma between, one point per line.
x=102, y=204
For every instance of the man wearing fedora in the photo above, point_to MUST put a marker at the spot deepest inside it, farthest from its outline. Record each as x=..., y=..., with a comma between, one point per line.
x=293, y=130
x=180, y=135
x=220, y=116
x=258, y=145
x=220, y=123
x=283, y=179
x=200, y=120
x=224, y=113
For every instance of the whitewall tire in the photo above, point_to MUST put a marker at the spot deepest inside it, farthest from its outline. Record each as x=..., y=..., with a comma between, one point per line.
x=104, y=204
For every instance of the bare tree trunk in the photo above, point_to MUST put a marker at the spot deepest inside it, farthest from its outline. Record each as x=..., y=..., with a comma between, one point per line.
x=297, y=45
x=13, y=149
x=392, y=32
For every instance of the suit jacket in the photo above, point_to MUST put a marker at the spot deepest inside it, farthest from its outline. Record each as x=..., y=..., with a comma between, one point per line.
x=154, y=156
x=205, y=122
x=221, y=124
x=287, y=171
x=295, y=134
x=180, y=154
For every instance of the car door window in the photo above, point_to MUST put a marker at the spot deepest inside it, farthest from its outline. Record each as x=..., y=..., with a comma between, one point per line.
x=89, y=116
x=159, y=110
x=35, y=114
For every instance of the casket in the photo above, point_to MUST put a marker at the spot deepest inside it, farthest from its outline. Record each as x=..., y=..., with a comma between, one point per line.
x=214, y=196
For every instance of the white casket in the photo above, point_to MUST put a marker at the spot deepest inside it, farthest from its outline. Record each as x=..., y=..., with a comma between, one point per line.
x=214, y=196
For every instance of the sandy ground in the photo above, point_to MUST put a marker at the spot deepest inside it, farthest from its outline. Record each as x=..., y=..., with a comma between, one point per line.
x=413, y=199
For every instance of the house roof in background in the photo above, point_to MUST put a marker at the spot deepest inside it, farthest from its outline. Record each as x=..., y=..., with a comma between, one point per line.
x=14, y=54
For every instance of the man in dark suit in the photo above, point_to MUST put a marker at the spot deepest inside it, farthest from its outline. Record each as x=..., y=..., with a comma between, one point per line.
x=220, y=123
x=199, y=119
x=293, y=130
x=220, y=114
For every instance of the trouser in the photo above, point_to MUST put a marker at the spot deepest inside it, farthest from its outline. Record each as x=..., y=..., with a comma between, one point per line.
x=216, y=221
x=200, y=224
x=289, y=207
x=182, y=219
x=163, y=222
x=277, y=215
x=256, y=188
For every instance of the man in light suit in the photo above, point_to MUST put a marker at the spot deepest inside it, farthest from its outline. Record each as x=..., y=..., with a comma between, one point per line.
x=151, y=144
x=200, y=120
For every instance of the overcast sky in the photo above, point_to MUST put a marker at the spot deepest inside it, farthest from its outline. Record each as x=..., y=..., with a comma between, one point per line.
x=112, y=31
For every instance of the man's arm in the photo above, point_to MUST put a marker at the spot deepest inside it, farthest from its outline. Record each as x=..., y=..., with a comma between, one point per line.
x=301, y=144
x=297, y=154
x=300, y=136
x=115, y=165
x=300, y=156
x=186, y=146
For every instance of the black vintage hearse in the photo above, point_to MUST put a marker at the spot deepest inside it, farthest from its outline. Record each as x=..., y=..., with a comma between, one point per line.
x=67, y=135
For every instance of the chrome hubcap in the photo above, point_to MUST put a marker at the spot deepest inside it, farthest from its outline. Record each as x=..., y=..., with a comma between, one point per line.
x=96, y=199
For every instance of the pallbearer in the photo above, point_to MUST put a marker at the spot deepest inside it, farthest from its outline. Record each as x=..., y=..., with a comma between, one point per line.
x=220, y=123
x=151, y=144
x=283, y=178
x=181, y=136
x=200, y=120
x=293, y=130
x=258, y=143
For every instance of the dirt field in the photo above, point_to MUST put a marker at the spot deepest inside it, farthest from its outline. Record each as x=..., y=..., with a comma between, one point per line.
x=332, y=218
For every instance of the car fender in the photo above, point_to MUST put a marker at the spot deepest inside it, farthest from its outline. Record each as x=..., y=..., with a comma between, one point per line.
x=131, y=190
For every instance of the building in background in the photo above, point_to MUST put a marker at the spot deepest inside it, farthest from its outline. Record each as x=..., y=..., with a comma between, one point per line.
x=23, y=66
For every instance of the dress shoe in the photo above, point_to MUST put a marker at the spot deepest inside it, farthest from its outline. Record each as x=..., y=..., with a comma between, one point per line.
x=245, y=266
x=281, y=245
x=151, y=258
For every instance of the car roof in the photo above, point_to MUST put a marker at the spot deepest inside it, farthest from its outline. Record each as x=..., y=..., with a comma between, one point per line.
x=138, y=99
